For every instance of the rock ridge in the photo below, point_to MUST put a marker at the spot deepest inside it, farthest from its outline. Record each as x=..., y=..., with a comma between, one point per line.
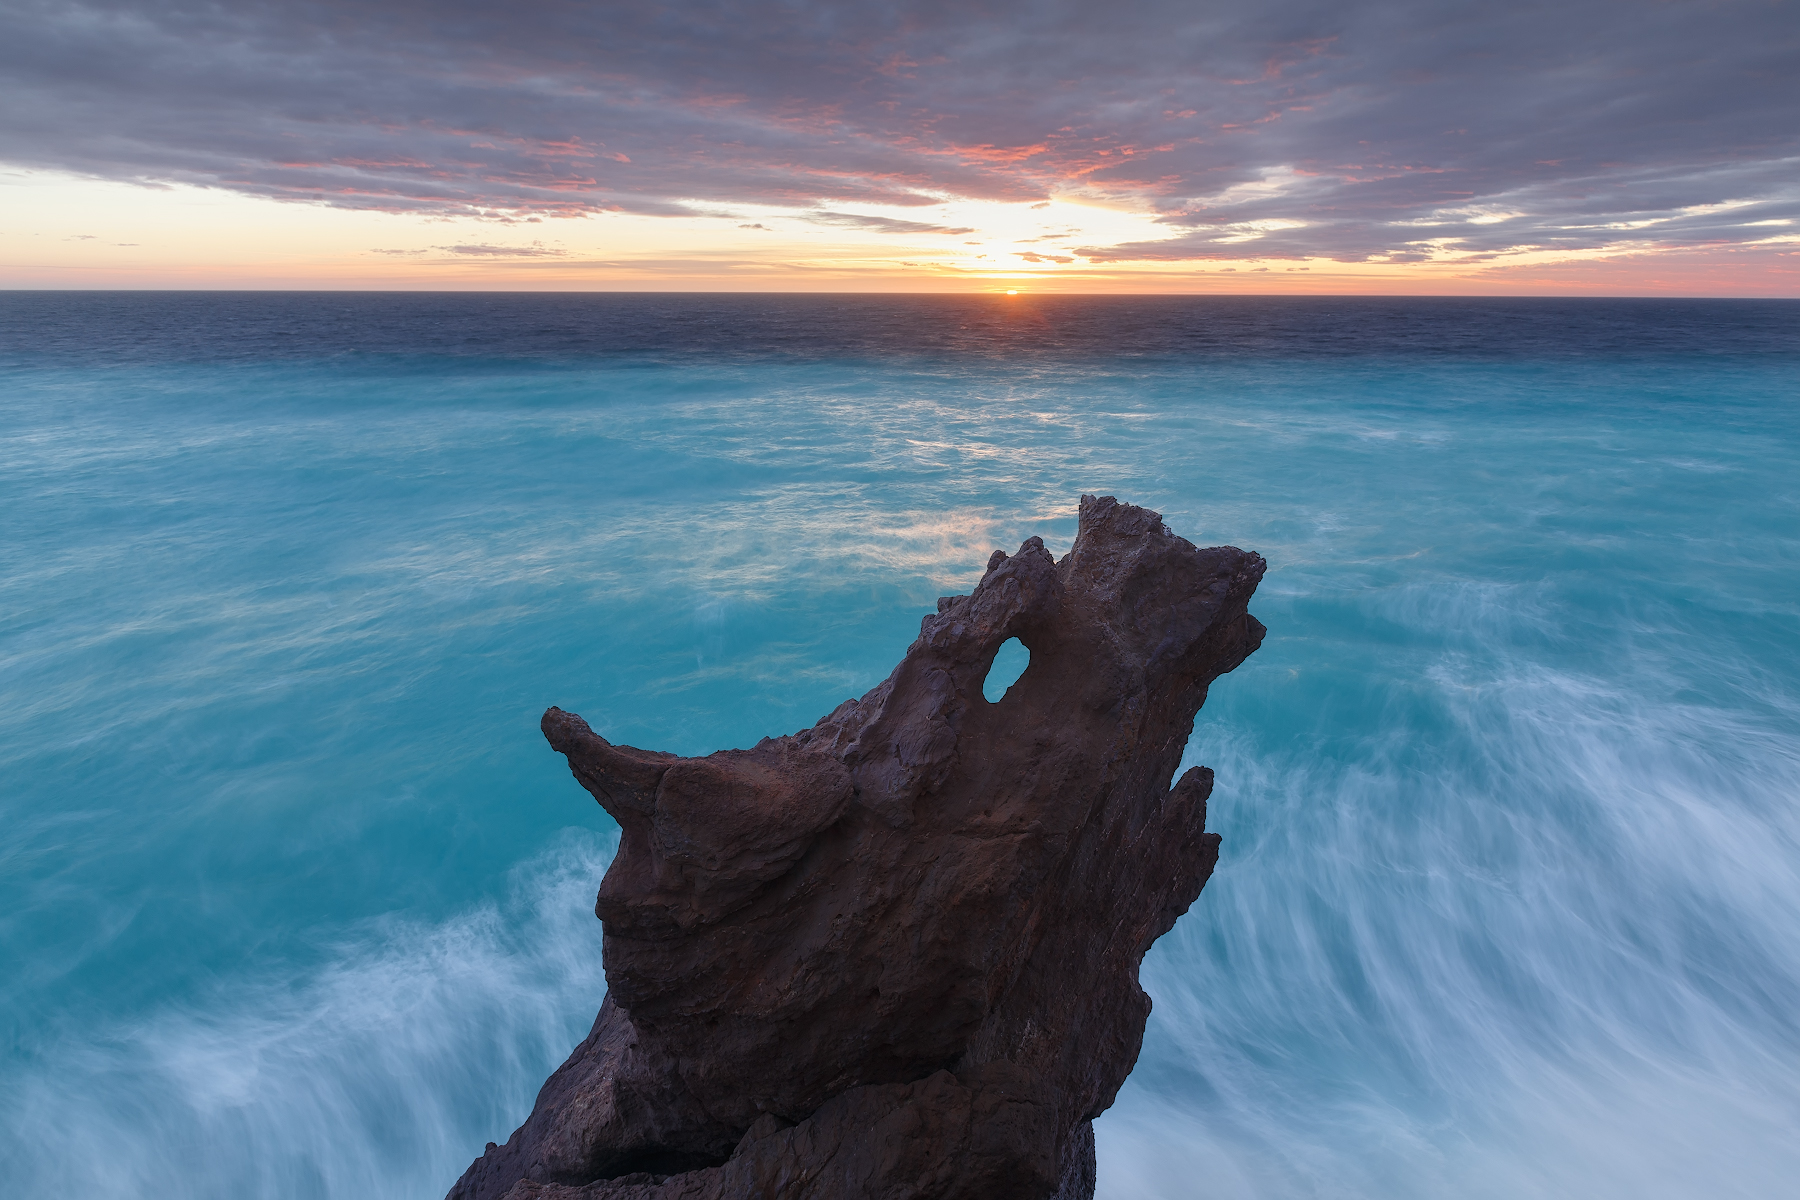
x=896, y=955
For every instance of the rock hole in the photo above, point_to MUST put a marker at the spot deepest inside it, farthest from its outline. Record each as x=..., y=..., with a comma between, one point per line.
x=1009, y=664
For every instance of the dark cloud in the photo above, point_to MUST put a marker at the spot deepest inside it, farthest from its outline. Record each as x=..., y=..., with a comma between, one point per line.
x=1286, y=128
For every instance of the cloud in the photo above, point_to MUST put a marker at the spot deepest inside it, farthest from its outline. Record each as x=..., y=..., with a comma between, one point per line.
x=485, y=251
x=1288, y=129
x=1623, y=207
x=882, y=224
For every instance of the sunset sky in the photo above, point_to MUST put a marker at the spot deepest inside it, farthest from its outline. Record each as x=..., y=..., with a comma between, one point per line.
x=1292, y=146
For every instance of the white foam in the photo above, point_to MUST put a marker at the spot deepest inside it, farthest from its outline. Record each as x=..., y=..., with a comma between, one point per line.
x=1532, y=933
x=379, y=1077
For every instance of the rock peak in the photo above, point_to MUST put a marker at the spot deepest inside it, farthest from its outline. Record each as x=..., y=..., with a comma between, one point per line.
x=896, y=955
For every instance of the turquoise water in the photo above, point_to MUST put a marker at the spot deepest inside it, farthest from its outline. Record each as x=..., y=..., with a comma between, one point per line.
x=297, y=903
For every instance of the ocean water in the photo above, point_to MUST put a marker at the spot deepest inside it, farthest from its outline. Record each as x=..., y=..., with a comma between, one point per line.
x=295, y=902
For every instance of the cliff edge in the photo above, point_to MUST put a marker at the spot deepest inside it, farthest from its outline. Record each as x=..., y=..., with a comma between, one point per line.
x=896, y=955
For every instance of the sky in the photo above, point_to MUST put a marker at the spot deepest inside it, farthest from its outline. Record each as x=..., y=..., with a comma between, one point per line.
x=1581, y=147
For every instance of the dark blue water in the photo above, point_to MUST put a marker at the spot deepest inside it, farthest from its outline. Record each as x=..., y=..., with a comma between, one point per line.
x=295, y=902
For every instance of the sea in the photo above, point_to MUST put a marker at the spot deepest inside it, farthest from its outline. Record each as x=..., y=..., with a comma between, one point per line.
x=296, y=903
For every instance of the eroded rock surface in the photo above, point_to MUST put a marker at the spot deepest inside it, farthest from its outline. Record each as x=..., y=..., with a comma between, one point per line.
x=896, y=955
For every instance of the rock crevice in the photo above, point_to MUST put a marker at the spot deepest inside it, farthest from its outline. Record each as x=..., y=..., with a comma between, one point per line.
x=896, y=954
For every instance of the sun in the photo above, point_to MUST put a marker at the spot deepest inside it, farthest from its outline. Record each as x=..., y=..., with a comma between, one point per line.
x=1012, y=291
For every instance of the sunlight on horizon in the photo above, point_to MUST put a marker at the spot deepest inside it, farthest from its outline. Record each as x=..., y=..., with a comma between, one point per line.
x=65, y=231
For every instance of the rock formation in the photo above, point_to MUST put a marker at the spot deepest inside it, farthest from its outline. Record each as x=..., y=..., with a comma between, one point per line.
x=896, y=955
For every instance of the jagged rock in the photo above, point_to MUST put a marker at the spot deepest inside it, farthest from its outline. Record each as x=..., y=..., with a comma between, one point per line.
x=895, y=955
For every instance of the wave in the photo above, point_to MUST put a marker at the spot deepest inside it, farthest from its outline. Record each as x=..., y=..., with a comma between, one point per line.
x=1524, y=931
x=379, y=1076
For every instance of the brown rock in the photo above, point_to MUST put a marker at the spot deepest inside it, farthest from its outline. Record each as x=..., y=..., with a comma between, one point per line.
x=896, y=954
